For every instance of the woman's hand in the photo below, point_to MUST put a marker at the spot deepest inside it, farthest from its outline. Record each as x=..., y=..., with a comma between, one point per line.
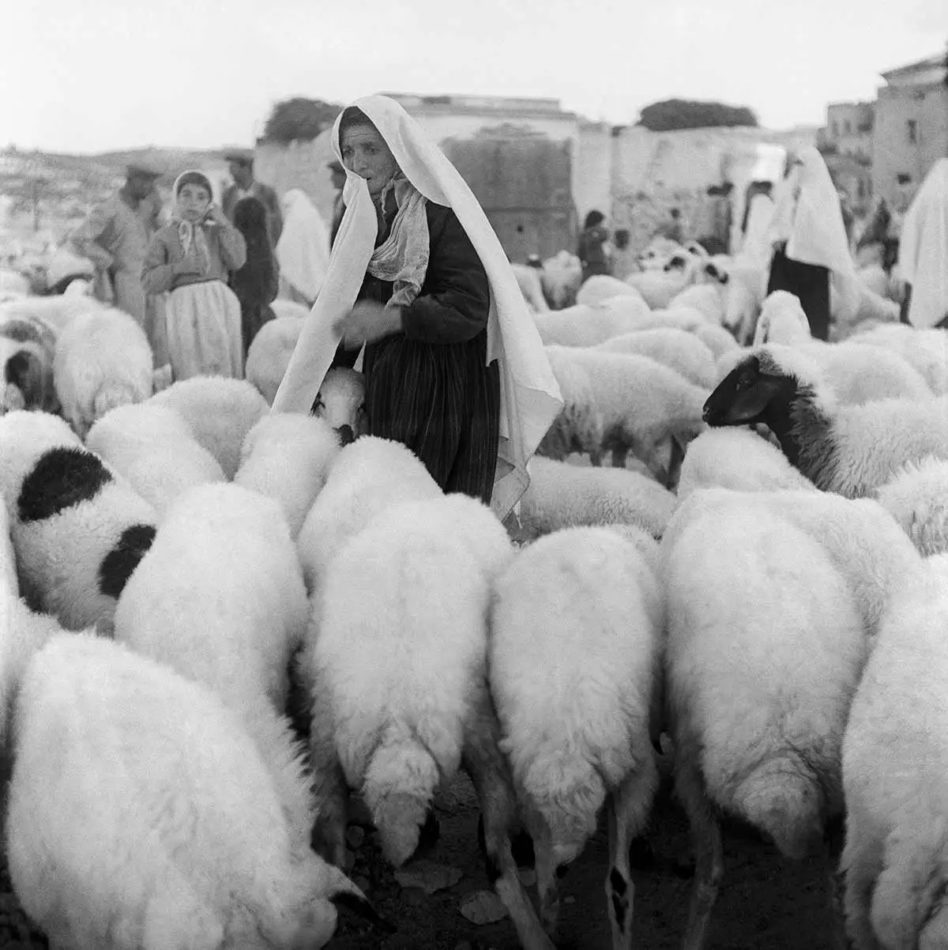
x=215, y=215
x=367, y=322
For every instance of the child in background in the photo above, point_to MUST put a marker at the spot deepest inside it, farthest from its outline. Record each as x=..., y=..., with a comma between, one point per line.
x=191, y=257
x=257, y=282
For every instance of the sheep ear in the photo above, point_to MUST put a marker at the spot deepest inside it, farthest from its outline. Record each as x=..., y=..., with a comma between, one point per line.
x=25, y=371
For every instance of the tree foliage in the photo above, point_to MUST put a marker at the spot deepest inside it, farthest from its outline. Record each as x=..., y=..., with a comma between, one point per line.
x=687, y=114
x=299, y=118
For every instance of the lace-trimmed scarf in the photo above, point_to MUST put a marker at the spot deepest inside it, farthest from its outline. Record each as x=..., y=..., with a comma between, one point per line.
x=402, y=258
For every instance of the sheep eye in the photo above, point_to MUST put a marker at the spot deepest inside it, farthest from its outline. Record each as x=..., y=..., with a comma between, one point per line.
x=319, y=404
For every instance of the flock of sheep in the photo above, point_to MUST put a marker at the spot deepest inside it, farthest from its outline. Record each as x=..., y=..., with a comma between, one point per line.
x=220, y=623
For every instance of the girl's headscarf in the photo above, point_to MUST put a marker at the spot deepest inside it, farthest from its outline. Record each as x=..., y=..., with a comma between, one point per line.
x=188, y=232
x=923, y=248
x=812, y=225
x=530, y=397
x=303, y=249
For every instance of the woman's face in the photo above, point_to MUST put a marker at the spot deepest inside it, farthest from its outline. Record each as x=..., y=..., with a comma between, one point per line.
x=364, y=152
x=192, y=202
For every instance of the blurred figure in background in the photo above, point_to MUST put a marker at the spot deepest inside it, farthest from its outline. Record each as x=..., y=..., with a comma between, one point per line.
x=714, y=225
x=257, y=281
x=115, y=238
x=303, y=249
x=593, y=250
x=245, y=186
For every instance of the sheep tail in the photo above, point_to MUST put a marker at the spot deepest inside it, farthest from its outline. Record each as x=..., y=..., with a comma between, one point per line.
x=567, y=790
x=780, y=799
x=399, y=784
x=909, y=906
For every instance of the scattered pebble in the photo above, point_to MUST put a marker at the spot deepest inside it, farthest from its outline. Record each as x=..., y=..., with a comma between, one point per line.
x=483, y=907
x=528, y=877
x=355, y=836
x=429, y=876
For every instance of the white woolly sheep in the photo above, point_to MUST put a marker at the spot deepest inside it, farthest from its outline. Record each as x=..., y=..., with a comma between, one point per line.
x=367, y=477
x=289, y=308
x=926, y=350
x=782, y=320
x=759, y=684
x=600, y=287
x=155, y=450
x=635, y=403
x=528, y=280
x=709, y=298
x=220, y=598
x=716, y=339
x=269, y=354
x=287, y=456
x=561, y=277
x=841, y=448
x=102, y=360
x=586, y=326
x=574, y=709
x=561, y=495
x=918, y=500
x=220, y=412
x=738, y=459
x=173, y=825
x=55, y=311
x=677, y=349
x=78, y=530
x=341, y=402
x=659, y=287
x=398, y=676
x=895, y=760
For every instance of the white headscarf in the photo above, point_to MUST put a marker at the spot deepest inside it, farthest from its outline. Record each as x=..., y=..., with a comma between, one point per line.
x=923, y=248
x=812, y=225
x=303, y=249
x=529, y=396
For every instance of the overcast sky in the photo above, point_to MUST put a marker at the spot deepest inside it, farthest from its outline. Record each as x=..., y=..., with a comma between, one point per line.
x=93, y=75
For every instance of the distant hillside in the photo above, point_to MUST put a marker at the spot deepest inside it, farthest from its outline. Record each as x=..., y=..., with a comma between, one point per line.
x=55, y=191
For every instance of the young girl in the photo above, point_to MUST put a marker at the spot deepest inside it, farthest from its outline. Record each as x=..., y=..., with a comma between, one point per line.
x=257, y=282
x=191, y=256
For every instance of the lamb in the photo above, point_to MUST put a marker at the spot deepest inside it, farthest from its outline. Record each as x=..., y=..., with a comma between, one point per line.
x=846, y=449
x=528, y=280
x=78, y=530
x=287, y=456
x=635, y=402
x=758, y=685
x=27, y=347
x=269, y=354
x=155, y=450
x=561, y=277
x=102, y=360
x=561, y=495
x=398, y=681
x=677, y=349
x=170, y=849
x=926, y=350
x=367, y=477
x=895, y=826
x=220, y=412
x=220, y=599
x=601, y=287
x=738, y=459
x=918, y=500
x=574, y=709
x=341, y=402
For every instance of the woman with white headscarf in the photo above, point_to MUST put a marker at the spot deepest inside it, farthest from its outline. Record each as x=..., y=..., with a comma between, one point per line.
x=454, y=366
x=303, y=249
x=923, y=251
x=810, y=243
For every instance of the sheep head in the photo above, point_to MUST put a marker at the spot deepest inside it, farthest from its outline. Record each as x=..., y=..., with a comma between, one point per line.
x=746, y=394
x=341, y=402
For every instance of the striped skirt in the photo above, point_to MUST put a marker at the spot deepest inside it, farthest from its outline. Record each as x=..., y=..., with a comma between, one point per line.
x=443, y=402
x=204, y=333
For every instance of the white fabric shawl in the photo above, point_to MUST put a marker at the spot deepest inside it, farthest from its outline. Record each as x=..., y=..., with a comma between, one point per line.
x=303, y=248
x=812, y=226
x=529, y=395
x=923, y=248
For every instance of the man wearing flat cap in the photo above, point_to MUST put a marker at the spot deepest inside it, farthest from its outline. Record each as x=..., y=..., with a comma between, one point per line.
x=115, y=238
x=244, y=186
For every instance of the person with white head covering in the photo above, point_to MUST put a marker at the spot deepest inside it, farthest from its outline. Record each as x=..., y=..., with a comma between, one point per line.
x=303, y=249
x=191, y=257
x=810, y=243
x=923, y=251
x=454, y=366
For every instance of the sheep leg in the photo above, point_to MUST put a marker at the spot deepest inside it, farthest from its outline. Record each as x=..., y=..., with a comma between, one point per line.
x=834, y=885
x=863, y=865
x=483, y=762
x=329, y=786
x=675, y=457
x=545, y=868
x=629, y=807
x=706, y=839
x=619, y=455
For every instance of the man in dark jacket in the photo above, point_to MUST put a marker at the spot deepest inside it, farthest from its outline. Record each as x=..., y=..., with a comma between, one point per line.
x=244, y=186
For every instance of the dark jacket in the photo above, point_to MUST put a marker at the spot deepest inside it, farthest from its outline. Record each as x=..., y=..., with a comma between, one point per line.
x=267, y=196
